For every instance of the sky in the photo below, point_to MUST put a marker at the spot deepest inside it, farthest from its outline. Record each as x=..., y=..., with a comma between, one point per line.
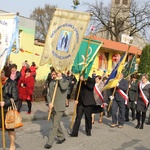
x=25, y=7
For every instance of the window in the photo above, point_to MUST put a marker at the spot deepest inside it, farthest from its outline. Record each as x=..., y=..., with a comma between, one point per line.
x=125, y=2
x=117, y=1
x=103, y=60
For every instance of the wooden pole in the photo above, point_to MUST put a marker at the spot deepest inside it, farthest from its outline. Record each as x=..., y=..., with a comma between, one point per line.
x=110, y=103
x=2, y=116
x=53, y=98
x=74, y=113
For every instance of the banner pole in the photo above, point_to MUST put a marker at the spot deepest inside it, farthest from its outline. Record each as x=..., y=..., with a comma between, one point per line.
x=53, y=98
x=2, y=116
x=110, y=103
x=74, y=113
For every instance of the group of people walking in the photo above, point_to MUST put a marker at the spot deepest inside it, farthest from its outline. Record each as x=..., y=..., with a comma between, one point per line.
x=16, y=87
x=89, y=99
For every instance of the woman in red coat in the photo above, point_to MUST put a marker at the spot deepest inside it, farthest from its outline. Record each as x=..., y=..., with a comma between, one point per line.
x=25, y=88
x=33, y=69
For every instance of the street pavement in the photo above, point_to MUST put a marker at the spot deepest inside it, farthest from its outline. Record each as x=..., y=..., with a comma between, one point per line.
x=33, y=135
x=40, y=111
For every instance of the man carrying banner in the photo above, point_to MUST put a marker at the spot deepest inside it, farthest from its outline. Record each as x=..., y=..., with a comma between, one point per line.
x=57, y=108
x=119, y=100
x=85, y=106
x=143, y=100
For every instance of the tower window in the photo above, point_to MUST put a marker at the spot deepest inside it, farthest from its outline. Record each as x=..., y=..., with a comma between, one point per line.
x=117, y=1
x=125, y=2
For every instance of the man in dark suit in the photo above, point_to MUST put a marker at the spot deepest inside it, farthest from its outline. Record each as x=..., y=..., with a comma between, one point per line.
x=120, y=98
x=85, y=106
x=58, y=107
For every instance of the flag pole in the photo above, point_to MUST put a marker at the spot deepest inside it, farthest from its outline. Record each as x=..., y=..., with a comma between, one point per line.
x=53, y=98
x=2, y=117
x=74, y=113
x=110, y=103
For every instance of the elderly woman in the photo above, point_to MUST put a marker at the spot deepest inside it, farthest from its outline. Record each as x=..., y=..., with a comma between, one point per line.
x=9, y=92
x=143, y=100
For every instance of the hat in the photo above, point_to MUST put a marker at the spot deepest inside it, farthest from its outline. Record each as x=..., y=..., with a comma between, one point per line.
x=134, y=76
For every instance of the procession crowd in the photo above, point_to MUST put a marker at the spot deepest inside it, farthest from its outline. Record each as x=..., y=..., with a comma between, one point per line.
x=89, y=98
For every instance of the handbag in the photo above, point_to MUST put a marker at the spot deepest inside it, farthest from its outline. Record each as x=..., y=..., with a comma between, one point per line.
x=13, y=118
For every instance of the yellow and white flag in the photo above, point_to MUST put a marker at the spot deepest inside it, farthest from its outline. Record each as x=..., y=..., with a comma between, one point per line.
x=64, y=37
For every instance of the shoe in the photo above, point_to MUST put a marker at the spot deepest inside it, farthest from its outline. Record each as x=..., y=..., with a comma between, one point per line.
x=88, y=134
x=108, y=116
x=113, y=125
x=73, y=135
x=60, y=141
x=120, y=126
x=126, y=120
x=141, y=127
x=47, y=146
x=137, y=126
x=148, y=123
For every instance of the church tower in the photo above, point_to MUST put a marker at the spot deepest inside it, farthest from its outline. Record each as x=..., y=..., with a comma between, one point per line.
x=119, y=22
x=120, y=14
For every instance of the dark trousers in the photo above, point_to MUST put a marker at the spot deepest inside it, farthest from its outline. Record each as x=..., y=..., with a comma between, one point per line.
x=87, y=111
x=141, y=117
x=133, y=108
x=28, y=103
x=121, y=114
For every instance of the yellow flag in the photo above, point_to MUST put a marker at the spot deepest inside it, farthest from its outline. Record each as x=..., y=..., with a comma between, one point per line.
x=115, y=74
x=64, y=37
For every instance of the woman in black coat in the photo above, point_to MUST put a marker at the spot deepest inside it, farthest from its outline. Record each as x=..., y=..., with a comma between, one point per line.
x=143, y=100
x=9, y=92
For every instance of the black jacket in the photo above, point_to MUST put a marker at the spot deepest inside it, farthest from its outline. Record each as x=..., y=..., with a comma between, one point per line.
x=9, y=91
x=86, y=96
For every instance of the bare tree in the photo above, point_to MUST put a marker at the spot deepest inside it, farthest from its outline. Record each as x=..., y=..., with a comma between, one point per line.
x=134, y=19
x=43, y=18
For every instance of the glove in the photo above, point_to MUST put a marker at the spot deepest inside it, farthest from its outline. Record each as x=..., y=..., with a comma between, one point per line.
x=111, y=97
x=105, y=104
x=135, y=102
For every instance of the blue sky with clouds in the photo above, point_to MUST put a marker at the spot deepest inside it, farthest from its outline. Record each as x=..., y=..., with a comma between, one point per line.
x=25, y=7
